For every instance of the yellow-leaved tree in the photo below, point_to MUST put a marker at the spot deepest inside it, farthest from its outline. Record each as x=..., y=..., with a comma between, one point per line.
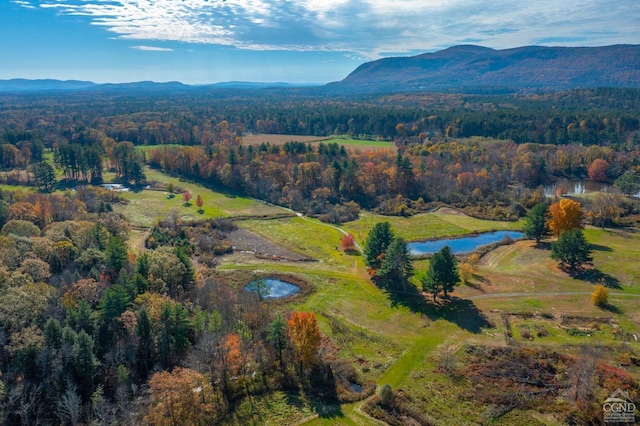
x=304, y=335
x=565, y=215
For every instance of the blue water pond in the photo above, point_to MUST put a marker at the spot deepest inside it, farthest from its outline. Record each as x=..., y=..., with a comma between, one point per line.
x=461, y=245
x=277, y=289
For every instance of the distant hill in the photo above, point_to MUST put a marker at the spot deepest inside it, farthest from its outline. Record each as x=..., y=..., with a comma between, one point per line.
x=24, y=85
x=478, y=69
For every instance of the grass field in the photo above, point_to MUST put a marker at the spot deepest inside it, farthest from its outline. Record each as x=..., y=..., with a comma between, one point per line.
x=400, y=337
x=346, y=142
x=147, y=206
x=441, y=223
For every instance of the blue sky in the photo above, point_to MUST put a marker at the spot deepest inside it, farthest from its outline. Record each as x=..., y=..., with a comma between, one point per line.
x=310, y=41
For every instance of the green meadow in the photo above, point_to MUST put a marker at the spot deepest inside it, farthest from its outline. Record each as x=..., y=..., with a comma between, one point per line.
x=398, y=339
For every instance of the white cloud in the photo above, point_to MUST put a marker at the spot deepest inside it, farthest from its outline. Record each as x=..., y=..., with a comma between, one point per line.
x=362, y=27
x=152, y=48
x=24, y=4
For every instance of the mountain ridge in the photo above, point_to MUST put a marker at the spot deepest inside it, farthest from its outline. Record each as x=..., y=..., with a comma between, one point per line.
x=460, y=69
x=527, y=68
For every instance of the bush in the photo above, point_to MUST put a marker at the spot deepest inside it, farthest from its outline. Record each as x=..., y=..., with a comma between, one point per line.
x=600, y=296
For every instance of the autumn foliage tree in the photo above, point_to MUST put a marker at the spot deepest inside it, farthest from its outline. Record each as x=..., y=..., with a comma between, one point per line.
x=199, y=203
x=597, y=170
x=565, y=215
x=304, y=335
x=348, y=243
x=186, y=197
x=180, y=397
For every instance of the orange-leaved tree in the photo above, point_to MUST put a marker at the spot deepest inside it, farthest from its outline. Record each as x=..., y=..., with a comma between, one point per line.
x=199, y=202
x=182, y=397
x=348, y=242
x=232, y=356
x=565, y=215
x=304, y=335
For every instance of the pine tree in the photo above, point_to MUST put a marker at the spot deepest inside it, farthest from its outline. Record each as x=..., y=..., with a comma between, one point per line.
x=144, y=333
x=571, y=249
x=277, y=335
x=535, y=224
x=397, y=265
x=376, y=245
x=442, y=274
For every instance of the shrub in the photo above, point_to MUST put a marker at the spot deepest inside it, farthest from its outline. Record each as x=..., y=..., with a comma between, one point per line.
x=600, y=296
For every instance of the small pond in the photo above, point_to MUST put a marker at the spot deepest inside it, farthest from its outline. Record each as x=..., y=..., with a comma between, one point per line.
x=572, y=188
x=461, y=245
x=277, y=289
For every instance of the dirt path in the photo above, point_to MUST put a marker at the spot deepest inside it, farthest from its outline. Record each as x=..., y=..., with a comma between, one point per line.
x=317, y=222
x=547, y=293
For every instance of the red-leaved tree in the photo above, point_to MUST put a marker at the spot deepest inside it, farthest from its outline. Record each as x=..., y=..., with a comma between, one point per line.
x=348, y=243
x=186, y=196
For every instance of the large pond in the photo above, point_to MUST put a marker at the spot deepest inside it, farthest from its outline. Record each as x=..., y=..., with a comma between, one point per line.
x=275, y=288
x=461, y=245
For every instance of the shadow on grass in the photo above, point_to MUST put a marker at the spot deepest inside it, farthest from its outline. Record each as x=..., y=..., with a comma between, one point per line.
x=326, y=409
x=595, y=276
x=543, y=245
x=611, y=308
x=462, y=312
x=474, y=285
x=481, y=279
x=598, y=247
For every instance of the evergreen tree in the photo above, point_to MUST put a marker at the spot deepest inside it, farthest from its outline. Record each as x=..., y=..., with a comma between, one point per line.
x=535, y=224
x=44, y=176
x=442, y=274
x=116, y=254
x=144, y=333
x=627, y=182
x=376, y=245
x=571, y=249
x=84, y=364
x=397, y=265
x=277, y=335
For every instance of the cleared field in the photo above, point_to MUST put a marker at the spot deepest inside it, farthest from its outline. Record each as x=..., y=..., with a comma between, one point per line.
x=147, y=206
x=280, y=139
x=442, y=223
x=346, y=142
x=397, y=339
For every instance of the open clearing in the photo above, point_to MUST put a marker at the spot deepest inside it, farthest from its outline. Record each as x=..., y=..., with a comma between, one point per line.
x=145, y=207
x=348, y=143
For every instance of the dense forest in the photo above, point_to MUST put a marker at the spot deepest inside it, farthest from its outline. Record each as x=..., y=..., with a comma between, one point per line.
x=486, y=153
x=87, y=327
